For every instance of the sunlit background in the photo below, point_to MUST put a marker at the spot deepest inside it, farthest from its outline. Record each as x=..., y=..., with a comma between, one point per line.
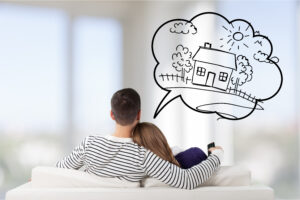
x=60, y=62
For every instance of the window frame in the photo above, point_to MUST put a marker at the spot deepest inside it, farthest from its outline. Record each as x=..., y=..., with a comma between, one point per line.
x=223, y=76
x=200, y=71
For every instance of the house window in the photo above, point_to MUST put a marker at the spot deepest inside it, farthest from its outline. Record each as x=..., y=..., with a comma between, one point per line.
x=200, y=71
x=223, y=76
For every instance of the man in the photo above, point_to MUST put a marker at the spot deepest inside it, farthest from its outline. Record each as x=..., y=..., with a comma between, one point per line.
x=117, y=156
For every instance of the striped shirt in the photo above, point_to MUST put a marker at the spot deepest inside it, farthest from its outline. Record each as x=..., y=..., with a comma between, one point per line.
x=111, y=156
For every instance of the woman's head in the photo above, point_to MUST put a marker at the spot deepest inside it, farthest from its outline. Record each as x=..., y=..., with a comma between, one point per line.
x=150, y=136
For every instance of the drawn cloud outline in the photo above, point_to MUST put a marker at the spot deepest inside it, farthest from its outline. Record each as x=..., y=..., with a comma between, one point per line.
x=263, y=57
x=180, y=28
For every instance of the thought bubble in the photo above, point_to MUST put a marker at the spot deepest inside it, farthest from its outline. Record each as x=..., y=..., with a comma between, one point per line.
x=215, y=65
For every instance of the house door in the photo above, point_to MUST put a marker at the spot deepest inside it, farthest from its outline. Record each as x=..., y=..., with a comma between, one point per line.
x=210, y=79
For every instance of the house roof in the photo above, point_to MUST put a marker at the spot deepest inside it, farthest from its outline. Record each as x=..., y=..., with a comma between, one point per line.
x=216, y=57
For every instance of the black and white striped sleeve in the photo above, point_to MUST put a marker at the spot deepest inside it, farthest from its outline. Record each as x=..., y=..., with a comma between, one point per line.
x=75, y=159
x=175, y=176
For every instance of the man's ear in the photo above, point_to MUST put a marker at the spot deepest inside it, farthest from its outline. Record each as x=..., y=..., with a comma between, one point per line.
x=138, y=115
x=112, y=115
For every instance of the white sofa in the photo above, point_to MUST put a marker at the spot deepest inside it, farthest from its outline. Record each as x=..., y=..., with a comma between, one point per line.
x=48, y=183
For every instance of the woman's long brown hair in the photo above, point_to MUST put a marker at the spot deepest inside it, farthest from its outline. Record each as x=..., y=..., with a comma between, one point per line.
x=150, y=136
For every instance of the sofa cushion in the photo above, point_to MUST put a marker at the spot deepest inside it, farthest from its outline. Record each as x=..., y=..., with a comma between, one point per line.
x=57, y=177
x=252, y=192
x=224, y=176
x=53, y=177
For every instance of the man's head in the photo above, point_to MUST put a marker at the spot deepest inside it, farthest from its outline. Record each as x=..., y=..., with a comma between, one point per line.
x=126, y=106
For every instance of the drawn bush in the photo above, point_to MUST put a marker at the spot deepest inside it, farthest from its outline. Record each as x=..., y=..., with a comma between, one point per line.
x=243, y=73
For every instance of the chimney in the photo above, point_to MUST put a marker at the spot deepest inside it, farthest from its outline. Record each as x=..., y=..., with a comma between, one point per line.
x=207, y=45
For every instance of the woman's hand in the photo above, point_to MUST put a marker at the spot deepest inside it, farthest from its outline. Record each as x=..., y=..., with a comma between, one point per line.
x=218, y=151
x=215, y=148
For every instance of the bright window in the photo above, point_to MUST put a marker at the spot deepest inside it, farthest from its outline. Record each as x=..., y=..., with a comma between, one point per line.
x=36, y=55
x=32, y=60
x=267, y=142
x=98, y=64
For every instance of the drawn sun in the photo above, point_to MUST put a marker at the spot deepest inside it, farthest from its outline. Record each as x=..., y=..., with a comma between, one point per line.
x=235, y=36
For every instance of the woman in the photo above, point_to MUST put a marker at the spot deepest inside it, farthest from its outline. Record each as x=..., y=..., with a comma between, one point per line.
x=150, y=136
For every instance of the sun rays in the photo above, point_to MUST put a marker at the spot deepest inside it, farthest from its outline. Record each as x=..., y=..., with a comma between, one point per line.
x=236, y=37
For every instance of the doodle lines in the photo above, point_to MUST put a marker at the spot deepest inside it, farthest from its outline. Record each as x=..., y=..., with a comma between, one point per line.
x=202, y=72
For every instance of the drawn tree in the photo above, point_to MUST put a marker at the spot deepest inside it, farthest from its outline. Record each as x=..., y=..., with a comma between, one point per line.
x=243, y=73
x=182, y=60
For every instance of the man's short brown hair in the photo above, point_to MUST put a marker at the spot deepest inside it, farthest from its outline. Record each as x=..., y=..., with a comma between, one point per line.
x=125, y=105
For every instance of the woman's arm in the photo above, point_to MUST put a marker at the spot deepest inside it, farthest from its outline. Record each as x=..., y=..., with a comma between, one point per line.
x=75, y=159
x=175, y=176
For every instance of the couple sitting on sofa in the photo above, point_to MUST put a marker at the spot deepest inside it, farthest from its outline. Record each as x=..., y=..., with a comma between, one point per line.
x=137, y=150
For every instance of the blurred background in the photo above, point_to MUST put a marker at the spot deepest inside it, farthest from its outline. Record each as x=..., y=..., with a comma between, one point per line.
x=61, y=61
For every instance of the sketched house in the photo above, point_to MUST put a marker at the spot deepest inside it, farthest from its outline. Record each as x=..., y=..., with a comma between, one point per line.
x=213, y=67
